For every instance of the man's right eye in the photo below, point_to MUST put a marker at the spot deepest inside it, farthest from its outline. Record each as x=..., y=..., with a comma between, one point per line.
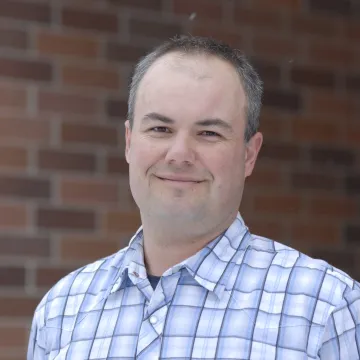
x=160, y=129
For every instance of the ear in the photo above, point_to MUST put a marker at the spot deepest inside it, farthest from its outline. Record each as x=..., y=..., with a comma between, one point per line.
x=251, y=152
x=127, y=140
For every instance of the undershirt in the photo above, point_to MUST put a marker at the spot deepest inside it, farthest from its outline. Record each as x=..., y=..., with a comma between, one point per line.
x=153, y=280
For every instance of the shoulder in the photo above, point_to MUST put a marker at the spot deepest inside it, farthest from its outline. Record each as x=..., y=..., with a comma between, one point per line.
x=297, y=273
x=82, y=287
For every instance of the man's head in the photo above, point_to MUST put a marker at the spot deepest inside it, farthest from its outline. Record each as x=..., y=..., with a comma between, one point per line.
x=191, y=137
x=250, y=80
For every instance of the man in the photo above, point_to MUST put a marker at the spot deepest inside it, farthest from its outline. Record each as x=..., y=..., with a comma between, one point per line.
x=193, y=282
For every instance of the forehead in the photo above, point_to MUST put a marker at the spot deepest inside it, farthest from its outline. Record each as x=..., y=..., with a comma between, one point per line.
x=196, y=66
x=185, y=82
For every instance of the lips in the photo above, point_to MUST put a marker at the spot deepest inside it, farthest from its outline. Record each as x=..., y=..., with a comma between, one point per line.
x=179, y=179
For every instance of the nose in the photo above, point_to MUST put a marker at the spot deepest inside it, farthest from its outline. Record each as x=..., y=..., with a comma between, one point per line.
x=180, y=151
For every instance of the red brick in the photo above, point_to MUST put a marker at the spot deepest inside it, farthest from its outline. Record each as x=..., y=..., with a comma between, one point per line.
x=352, y=30
x=353, y=134
x=335, y=7
x=13, y=157
x=203, y=8
x=246, y=204
x=352, y=183
x=90, y=20
x=271, y=229
x=139, y=4
x=29, y=131
x=62, y=219
x=312, y=76
x=272, y=124
x=11, y=276
x=278, y=204
x=315, y=181
x=334, y=207
x=153, y=29
x=265, y=177
x=258, y=18
x=269, y=72
x=282, y=99
x=332, y=157
x=332, y=55
x=116, y=108
x=15, y=307
x=316, y=234
x=125, y=52
x=231, y=37
x=81, y=4
x=13, y=217
x=273, y=129
x=353, y=83
x=67, y=44
x=27, y=187
x=24, y=246
x=67, y=103
x=276, y=47
x=307, y=24
x=48, y=276
x=332, y=104
x=88, y=191
x=316, y=130
x=11, y=97
x=25, y=69
x=91, y=134
x=22, y=10
x=65, y=160
x=120, y=222
x=117, y=165
x=12, y=336
x=75, y=248
x=282, y=4
x=13, y=38
x=92, y=77
x=352, y=234
x=343, y=259
x=280, y=151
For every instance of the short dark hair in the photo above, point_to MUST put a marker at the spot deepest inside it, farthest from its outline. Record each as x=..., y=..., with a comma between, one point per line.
x=249, y=78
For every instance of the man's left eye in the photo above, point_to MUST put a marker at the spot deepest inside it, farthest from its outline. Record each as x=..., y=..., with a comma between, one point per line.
x=210, y=133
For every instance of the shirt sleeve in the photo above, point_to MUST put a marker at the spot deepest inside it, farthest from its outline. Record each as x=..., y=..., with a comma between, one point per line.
x=36, y=346
x=341, y=340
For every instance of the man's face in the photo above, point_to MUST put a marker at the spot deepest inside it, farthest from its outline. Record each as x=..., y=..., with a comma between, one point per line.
x=186, y=150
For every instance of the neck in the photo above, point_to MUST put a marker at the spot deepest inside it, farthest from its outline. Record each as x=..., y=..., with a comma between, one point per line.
x=167, y=244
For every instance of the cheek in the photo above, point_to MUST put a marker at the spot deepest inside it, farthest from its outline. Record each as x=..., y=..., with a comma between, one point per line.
x=220, y=168
x=143, y=155
x=225, y=165
x=227, y=169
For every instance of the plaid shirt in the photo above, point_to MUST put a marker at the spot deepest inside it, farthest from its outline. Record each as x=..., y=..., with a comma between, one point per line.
x=240, y=297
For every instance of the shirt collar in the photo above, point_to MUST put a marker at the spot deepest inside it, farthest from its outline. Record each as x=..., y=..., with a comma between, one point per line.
x=130, y=259
x=210, y=267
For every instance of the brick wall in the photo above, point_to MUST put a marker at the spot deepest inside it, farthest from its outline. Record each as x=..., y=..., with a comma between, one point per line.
x=64, y=69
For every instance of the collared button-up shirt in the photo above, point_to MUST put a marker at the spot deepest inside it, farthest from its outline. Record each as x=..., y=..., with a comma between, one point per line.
x=240, y=297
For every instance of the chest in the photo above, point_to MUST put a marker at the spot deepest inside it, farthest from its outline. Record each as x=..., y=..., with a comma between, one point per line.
x=192, y=324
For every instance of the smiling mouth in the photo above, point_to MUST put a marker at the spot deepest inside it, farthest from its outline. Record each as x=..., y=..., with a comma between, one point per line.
x=180, y=180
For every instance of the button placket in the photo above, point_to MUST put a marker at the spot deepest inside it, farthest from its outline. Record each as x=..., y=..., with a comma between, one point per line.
x=153, y=319
x=157, y=319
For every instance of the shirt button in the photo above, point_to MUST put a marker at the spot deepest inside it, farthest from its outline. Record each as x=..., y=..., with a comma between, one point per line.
x=136, y=274
x=153, y=320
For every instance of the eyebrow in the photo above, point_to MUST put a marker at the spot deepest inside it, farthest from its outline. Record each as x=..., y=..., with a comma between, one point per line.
x=206, y=122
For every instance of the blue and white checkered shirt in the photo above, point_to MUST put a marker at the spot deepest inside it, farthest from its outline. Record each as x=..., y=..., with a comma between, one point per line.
x=240, y=297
